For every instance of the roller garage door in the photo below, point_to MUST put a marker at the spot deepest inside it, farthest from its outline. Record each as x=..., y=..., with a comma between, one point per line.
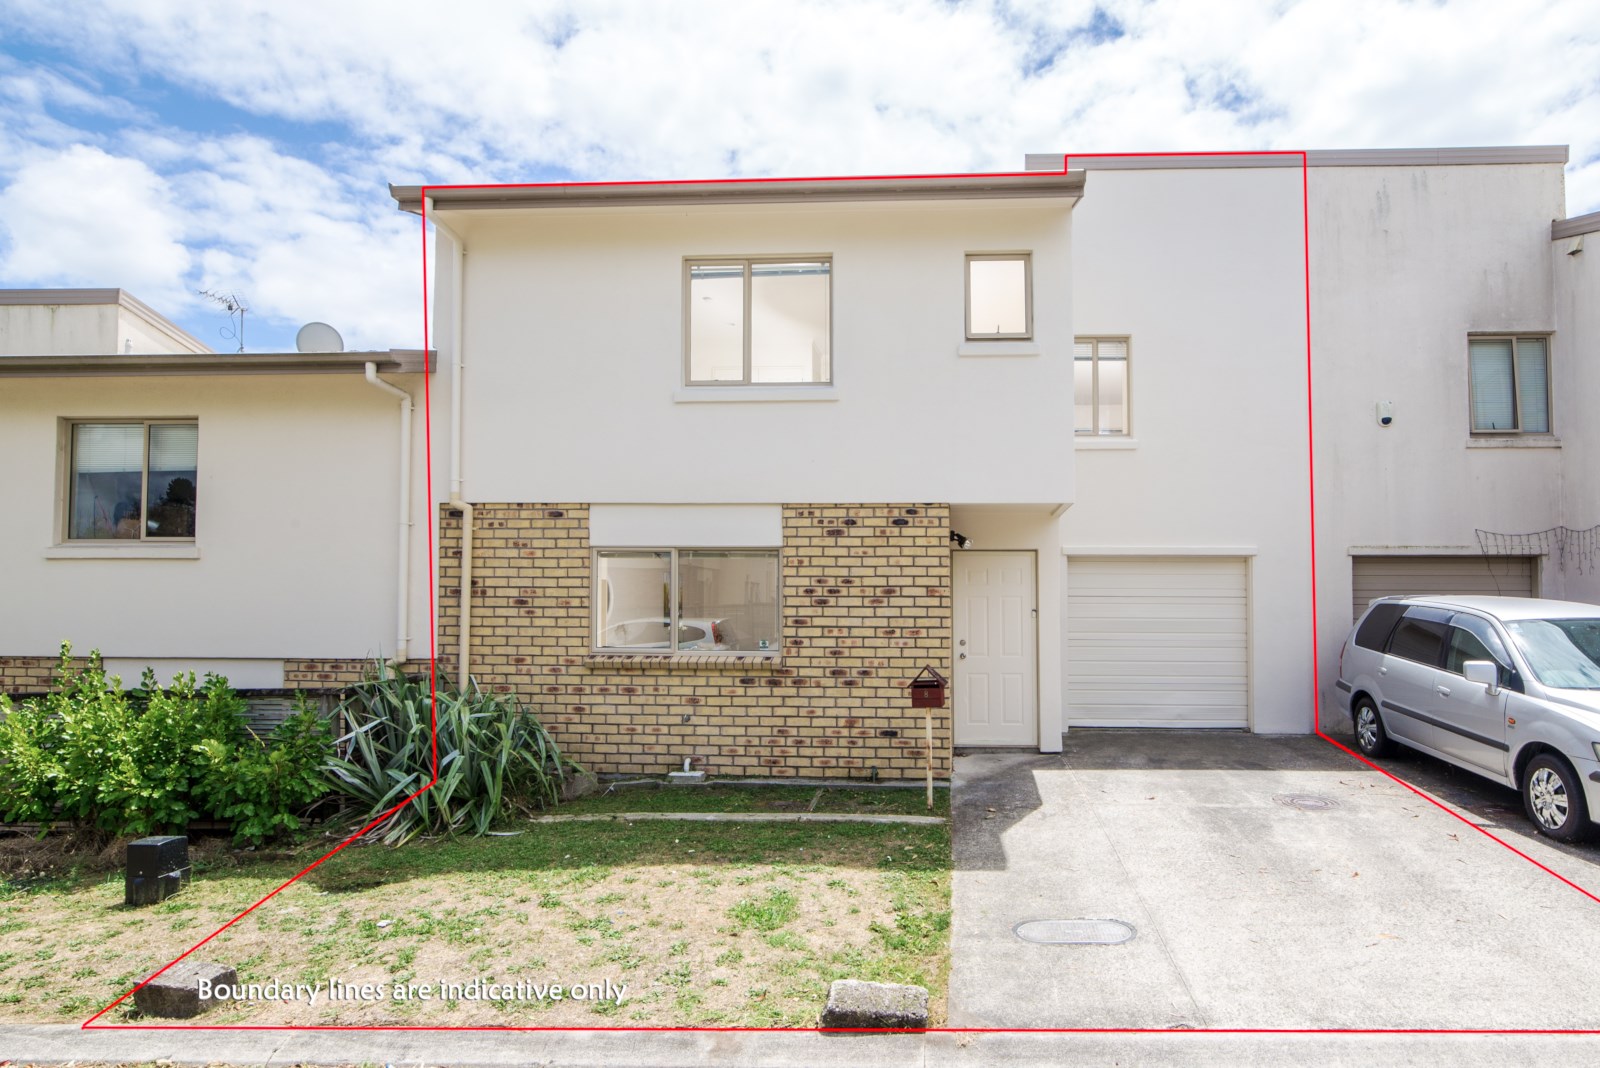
x=1384, y=576
x=1157, y=642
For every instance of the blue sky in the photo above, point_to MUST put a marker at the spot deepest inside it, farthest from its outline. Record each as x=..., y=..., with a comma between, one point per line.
x=169, y=146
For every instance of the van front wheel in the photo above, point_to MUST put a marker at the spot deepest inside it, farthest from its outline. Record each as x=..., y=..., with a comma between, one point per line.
x=1553, y=797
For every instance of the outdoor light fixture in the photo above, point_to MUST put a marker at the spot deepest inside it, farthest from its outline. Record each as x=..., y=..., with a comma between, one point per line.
x=960, y=540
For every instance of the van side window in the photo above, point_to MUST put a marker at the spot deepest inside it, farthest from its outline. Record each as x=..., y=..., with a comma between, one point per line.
x=1419, y=639
x=1472, y=638
x=1375, y=629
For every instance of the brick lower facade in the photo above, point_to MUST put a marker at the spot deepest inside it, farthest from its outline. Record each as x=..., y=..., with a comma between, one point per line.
x=866, y=604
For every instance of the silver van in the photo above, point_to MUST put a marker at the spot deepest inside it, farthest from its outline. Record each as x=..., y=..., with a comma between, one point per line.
x=1507, y=687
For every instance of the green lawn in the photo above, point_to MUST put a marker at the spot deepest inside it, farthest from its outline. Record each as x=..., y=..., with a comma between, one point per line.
x=706, y=924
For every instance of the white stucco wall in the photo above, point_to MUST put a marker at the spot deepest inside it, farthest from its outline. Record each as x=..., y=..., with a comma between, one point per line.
x=296, y=521
x=67, y=329
x=574, y=362
x=1576, y=285
x=88, y=330
x=1202, y=269
x=1406, y=262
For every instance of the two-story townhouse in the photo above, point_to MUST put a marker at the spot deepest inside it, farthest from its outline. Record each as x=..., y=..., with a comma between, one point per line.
x=717, y=448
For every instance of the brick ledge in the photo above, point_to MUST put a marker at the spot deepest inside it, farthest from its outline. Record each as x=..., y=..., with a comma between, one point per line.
x=682, y=661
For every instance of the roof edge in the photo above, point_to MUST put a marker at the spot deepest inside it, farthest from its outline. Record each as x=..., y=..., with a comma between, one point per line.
x=1336, y=157
x=1011, y=185
x=1576, y=226
x=114, y=365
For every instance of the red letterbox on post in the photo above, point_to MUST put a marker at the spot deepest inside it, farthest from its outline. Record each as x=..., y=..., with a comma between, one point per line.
x=927, y=689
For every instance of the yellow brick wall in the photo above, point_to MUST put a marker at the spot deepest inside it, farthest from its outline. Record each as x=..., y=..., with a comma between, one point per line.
x=866, y=604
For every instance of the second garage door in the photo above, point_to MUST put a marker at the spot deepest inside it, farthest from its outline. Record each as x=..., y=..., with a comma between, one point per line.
x=1382, y=576
x=1157, y=642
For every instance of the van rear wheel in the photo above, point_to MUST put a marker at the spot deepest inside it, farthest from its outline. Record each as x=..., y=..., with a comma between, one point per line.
x=1371, y=738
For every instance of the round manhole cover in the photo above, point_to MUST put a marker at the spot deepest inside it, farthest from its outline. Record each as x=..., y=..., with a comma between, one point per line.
x=1074, y=932
x=1305, y=802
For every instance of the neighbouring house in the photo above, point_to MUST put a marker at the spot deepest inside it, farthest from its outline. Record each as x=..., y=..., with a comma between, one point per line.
x=184, y=509
x=724, y=465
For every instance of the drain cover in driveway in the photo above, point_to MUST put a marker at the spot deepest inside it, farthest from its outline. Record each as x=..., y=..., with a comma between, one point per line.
x=1305, y=802
x=1074, y=932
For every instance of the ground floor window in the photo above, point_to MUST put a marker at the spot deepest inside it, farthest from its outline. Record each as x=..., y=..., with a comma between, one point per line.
x=132, y=480
x=686, y=600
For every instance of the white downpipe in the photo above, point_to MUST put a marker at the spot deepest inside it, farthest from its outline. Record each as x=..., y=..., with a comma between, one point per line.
x=402, y=640
x=464, y=611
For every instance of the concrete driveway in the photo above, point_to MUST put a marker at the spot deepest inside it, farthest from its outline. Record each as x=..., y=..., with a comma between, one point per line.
x=1271, y=882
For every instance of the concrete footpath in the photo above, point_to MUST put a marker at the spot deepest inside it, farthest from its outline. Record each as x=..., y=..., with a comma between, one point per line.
x=63, y=1044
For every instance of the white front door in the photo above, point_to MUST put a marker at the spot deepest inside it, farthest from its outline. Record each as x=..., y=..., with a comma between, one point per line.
x=996, y=655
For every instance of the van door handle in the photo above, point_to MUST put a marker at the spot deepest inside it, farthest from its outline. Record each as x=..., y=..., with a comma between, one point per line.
x=1443, y=691
x=1383, y=671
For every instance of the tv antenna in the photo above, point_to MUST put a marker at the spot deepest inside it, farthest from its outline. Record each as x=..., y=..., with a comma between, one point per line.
x=233, y=304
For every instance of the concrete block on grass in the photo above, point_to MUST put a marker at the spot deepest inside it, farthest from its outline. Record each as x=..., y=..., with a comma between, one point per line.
x=175, y=993
x=854, y=1003
x=579, y=784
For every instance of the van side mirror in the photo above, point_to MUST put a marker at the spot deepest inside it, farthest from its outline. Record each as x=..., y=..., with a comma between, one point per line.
x=1486, y=672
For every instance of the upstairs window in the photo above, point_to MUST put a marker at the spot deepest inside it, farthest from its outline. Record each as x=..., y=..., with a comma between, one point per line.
x=999, y=296
x=759, y=321
x=132, y=481
x=1510, y=385
x=1100, y=385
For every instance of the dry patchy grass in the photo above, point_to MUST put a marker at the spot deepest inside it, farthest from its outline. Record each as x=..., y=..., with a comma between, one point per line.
x=705, y=924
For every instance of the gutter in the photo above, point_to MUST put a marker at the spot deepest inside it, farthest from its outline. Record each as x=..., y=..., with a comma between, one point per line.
x=402, y=641
x=459, y=252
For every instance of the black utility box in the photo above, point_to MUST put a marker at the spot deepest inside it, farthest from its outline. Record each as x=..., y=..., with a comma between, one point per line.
x=157, y=869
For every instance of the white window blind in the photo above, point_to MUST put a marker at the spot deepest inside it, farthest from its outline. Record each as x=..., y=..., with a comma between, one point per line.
x=1493, y=402
x=102, y=447
x=1533, y=387
x=173, y=447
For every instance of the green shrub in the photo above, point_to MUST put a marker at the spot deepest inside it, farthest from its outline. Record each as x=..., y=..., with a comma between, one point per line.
x=260, y=786
x=493, y=756
x=136, y=762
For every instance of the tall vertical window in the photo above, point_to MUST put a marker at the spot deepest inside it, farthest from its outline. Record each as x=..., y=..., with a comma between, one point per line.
x=132, y=480
x=1510, y=385
x=759, y=321
x=686, y=600
x=999, y=296
x=1100, y=385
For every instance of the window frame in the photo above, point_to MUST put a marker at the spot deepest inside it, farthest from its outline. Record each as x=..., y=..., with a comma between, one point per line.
x=1094, y=433
x=674, y=621
x=1027, y=293
x=66, y=484
x=1516, y=386
x=1421, y=614
x=747, y=262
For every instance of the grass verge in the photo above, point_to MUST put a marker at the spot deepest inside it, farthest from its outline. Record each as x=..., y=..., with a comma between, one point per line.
x=702, y=924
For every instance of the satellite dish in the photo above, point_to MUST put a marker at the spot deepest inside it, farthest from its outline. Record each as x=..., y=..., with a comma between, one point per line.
x=318, y=337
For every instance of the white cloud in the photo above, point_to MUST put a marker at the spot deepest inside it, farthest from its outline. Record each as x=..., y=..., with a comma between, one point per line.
x=636, y=88
x=85, y=218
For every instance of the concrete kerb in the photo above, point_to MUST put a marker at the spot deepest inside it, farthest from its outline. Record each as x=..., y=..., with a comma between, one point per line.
x=48, y=1044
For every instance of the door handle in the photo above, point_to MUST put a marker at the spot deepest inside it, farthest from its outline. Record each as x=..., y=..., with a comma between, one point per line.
x=963, y=656
x=1442, y=691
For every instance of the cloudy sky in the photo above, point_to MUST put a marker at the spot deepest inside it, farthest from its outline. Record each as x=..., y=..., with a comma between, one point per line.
x=171, y=146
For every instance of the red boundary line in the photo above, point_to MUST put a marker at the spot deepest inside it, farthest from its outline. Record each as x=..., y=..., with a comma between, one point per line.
x=433, y=660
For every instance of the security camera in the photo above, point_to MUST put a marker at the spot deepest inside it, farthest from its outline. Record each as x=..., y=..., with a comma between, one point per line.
x=1385, y=413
